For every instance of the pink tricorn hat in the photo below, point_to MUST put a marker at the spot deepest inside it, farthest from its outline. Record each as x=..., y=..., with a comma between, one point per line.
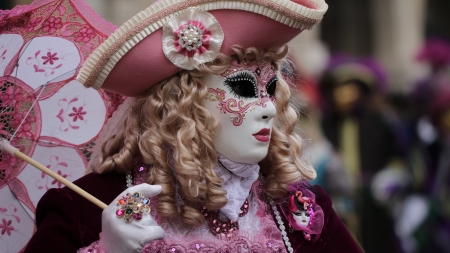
x=172, y=35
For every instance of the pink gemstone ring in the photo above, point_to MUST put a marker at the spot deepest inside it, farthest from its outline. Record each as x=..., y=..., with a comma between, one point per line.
x=132, y=206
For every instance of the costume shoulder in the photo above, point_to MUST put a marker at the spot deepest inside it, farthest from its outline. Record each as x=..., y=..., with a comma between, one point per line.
x=325, y=231
x=66, y=221
x=335, y=235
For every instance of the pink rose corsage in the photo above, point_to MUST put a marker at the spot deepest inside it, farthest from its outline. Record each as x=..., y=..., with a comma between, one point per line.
x=304, y=214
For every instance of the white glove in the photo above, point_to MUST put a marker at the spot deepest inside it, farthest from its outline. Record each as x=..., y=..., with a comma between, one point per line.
x=119, y=236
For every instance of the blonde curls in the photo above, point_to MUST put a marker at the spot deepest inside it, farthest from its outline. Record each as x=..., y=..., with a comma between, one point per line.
x=170, y=130
x=120, y=150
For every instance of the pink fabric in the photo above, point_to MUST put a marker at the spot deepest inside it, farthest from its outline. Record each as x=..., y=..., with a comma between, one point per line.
x=42, y=46
x=232, y=245
x=95, y=247
x=14, y=12
x=149, y=65
x=264, y=239
x=20, y=15
x=306, y=3
x=93, y=17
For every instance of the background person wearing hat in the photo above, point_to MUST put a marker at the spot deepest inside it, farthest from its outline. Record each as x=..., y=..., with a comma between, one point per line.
x=358, y=130
x=206, y=138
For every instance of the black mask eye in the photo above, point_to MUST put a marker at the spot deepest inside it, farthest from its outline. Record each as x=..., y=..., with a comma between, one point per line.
x=272, y=86
x=242, y=85
x=297, y=213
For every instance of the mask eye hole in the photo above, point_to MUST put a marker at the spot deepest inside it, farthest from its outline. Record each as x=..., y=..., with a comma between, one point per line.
x=242, y=85
x=300, y=213
x=297, y=213
x=272, y=86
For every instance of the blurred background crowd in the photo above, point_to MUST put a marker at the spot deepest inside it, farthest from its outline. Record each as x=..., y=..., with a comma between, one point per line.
x=372, y=86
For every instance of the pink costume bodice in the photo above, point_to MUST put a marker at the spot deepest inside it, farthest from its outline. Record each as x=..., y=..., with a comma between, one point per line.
x=258, y=232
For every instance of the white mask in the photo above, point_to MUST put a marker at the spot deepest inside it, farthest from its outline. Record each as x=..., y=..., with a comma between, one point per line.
x=242, y=99
x=301, y=218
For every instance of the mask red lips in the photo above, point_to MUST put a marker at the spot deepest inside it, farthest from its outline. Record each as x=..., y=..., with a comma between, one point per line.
x=263, y=135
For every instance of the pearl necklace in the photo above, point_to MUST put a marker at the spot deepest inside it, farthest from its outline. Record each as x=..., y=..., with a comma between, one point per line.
x=281, y=226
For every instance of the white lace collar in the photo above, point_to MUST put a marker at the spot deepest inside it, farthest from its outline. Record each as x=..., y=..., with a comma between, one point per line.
x=238, y=179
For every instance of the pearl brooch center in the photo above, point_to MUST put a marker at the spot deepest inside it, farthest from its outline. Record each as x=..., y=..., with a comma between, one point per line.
x=190, y=37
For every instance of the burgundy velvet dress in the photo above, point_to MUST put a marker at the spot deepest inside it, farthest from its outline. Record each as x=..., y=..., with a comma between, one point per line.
x=67, y=222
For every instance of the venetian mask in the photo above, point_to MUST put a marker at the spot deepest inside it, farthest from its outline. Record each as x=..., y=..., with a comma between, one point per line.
x=300, y=208
x=302, y=218
x=242, y=99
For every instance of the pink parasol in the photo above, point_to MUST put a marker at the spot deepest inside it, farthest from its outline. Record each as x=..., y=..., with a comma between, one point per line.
x=44, y=111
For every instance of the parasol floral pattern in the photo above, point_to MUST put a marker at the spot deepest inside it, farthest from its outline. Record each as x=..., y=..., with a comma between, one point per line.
x=44, y=111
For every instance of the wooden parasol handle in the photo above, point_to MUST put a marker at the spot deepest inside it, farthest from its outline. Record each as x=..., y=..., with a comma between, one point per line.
x=7, y=147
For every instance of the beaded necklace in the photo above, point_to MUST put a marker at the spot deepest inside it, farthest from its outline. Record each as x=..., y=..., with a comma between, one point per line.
x=218, y=226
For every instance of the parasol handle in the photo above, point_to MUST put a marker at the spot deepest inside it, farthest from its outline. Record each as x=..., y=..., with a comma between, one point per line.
x=7, y=147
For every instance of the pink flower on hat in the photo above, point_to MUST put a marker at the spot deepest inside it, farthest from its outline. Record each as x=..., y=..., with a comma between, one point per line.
x=191, y=38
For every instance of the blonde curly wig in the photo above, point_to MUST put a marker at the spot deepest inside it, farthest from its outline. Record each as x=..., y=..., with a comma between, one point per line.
x=171, y=131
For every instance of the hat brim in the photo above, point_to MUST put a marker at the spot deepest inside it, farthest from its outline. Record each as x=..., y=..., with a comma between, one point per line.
x=132, y=59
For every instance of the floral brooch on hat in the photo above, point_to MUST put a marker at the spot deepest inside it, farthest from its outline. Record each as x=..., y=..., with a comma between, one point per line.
x=191, y=38
x=303, y=214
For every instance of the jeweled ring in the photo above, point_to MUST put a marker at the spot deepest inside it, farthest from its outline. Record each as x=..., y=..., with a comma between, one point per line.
x=132, y=206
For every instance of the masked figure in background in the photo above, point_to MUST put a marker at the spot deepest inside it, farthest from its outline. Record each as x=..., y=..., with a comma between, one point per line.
x=430, y=200
x=435, y=53
x=358, y=130
x=421, y=208
x=202, y=157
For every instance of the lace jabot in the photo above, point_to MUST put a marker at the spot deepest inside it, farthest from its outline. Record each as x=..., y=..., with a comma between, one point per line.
x=237, y=181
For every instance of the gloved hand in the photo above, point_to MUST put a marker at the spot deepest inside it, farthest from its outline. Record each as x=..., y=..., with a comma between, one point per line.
x=119, y=236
